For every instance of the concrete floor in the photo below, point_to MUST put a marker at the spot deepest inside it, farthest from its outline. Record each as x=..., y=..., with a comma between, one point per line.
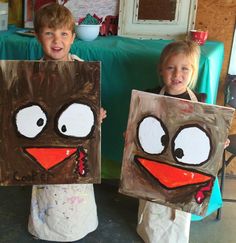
x=117, y=217
x=210, y=230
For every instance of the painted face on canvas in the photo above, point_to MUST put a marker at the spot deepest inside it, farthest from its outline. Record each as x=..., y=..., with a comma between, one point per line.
x=51, y=127
x=173, y=150
x=177, y=73
x=56, y=43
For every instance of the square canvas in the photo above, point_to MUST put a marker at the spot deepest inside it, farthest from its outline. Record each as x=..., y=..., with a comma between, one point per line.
x=50, y=129
x=173, y=150
x=102, y=8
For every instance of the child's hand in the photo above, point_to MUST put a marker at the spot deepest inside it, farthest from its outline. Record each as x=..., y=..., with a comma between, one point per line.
x=227, y=142
x=103, y=114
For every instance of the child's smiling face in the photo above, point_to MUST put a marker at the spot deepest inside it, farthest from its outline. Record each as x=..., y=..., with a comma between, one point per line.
x=56, y=43
x=177, y=72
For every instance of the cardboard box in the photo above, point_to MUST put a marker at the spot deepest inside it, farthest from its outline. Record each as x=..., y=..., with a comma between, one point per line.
x=3, y=16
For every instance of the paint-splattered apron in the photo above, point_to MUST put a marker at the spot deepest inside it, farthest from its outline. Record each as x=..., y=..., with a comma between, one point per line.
x=161, y=224
x=62, y=212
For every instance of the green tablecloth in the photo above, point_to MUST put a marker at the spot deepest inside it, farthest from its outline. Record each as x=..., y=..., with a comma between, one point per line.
x=126, y=64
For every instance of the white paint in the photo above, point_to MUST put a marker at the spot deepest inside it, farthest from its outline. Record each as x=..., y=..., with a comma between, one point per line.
x=195, y=145
x=78, y=119
x=150, y=133
x=27, y=118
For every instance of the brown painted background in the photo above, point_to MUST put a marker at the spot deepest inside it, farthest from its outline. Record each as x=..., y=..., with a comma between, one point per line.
x=52, y=86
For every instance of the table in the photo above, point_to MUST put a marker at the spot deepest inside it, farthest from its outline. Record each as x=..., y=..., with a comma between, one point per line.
x=126, y=64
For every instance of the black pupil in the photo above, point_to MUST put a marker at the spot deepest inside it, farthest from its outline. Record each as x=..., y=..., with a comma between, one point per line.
x=63, y=128
x=164, y=140
x=40, y=122
x=179, y=153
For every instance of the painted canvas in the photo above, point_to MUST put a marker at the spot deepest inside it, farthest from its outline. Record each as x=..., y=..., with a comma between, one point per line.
x=173, y=150
x=50, y=129
x=102, y=8
x=30, y=6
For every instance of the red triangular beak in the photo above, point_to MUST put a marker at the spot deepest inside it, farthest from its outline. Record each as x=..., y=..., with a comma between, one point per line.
x=171, y=176
x=49, y=157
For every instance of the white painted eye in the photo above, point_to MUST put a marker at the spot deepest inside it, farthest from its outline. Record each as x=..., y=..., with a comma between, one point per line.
x=77, y=120
x=152, y=135
x=191, y=145
x=30, y=121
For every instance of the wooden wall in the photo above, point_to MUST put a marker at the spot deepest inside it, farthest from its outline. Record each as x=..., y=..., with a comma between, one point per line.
x=218, y=16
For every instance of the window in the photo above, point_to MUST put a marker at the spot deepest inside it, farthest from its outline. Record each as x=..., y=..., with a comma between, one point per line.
x=167, y=19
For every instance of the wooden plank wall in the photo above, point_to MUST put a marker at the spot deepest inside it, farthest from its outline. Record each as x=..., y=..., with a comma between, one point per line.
x=218, y=17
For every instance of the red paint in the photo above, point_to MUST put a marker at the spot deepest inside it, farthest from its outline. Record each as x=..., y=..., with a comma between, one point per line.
x=200, y=195
x=81, y=168
x=188, y=107
x=171, y=176
x=49, y=157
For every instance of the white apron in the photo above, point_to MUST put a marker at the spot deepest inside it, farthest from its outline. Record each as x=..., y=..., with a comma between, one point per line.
x=161, y=224
x=64, y=212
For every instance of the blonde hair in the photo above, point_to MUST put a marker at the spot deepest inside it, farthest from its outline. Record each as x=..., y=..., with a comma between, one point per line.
x=188, y=48
x=53, y=16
